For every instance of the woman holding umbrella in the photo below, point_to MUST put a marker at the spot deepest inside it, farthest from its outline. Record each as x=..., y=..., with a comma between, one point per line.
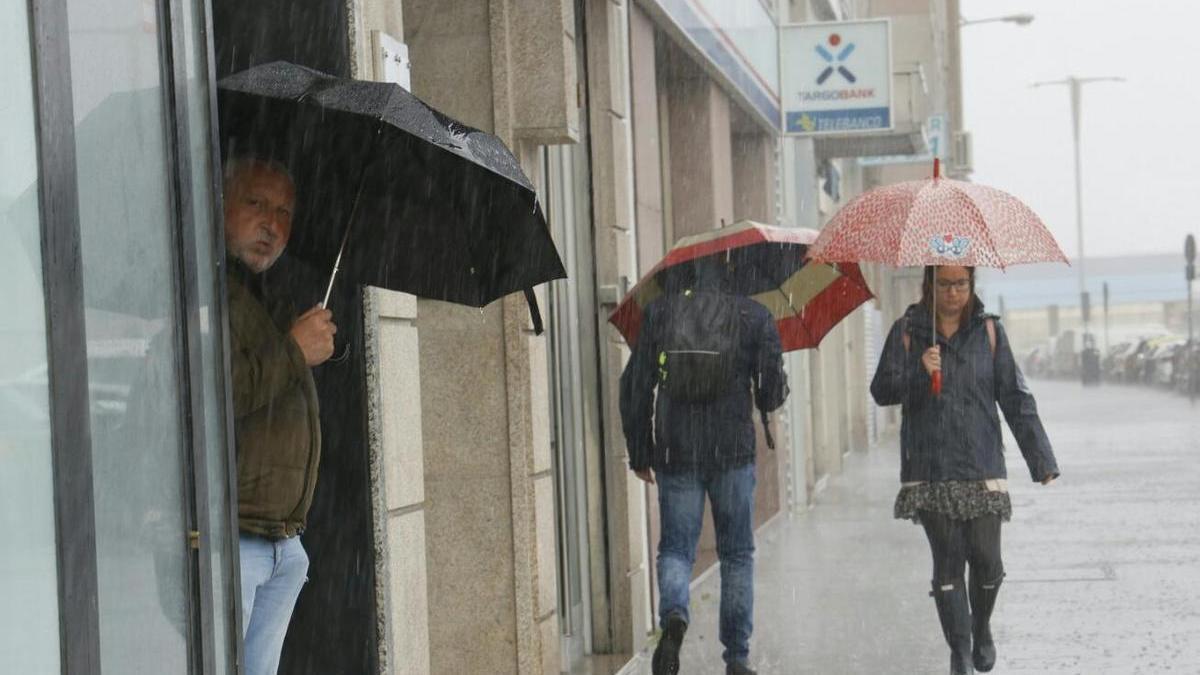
x=953, y=476
x=949, y=364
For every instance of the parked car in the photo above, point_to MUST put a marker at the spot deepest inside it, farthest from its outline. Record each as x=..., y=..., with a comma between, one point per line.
x=1148, y=360
x=1162, y=369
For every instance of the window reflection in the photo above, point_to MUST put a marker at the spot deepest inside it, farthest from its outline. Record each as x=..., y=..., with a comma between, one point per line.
x=28, y=568
x=129, y=295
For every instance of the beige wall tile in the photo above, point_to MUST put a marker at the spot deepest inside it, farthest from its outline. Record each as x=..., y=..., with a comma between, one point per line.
x=409, y=594
x=400, y=385
x=547, y=560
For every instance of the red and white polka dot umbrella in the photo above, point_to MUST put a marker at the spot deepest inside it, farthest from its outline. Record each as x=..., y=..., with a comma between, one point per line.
x=938, y=221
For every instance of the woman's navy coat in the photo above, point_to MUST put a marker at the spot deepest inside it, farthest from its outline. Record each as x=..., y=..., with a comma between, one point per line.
x=957, y=436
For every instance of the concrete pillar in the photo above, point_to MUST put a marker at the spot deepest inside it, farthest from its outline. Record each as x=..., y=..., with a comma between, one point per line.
x=754, y=177
x=365, y=18
x=799, y=410
x=651, y=231
x=652, y=240
x=622, y=620
x=857, y=381
x=701, y=157
x=820, y=419
x=800, y=209
x=754, y=190
x=829, y=402
x=488, y=492
x=394, y=415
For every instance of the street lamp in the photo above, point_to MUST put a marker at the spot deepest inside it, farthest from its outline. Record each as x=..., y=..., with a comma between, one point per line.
x=1019, y=19
x=1076, y=86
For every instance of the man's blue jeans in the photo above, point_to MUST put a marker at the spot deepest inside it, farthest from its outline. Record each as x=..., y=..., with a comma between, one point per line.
x=681, y=512
x=273, y=572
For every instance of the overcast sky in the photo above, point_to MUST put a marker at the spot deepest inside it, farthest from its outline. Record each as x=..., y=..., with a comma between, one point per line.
x=1140, y=138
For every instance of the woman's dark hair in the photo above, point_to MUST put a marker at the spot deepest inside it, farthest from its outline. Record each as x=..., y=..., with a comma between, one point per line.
x=927, y=298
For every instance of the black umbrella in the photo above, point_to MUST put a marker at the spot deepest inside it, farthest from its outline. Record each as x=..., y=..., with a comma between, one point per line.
x=390, y=191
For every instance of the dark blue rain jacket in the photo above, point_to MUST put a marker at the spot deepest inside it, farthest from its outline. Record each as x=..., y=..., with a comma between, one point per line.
x=673, y=435
x=957, y=436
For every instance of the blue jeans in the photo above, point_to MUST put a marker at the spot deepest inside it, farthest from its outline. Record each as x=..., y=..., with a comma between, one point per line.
x=681, y=512
x=273, y=572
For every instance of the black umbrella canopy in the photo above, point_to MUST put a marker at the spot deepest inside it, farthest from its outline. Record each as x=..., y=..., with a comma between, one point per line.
x=434, y=207
x=747, y=270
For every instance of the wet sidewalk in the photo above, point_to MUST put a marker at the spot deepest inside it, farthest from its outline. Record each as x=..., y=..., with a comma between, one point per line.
x=1103, y=567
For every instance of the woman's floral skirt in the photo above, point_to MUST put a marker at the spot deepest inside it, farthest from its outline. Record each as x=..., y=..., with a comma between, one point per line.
x=960, y=500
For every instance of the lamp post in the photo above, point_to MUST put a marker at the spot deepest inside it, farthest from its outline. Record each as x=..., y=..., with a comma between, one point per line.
x=1019, y=19
x=1107, y=345
x=1076, y=86
x=954, y=46
x=1189, y=254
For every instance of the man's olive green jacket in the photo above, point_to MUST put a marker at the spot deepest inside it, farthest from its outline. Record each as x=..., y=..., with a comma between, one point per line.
x=276, y=418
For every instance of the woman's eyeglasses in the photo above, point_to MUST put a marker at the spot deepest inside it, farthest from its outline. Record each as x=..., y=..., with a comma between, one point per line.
x=959, y=285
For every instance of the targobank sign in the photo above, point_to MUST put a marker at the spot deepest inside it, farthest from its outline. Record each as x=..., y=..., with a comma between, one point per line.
x=836, y=77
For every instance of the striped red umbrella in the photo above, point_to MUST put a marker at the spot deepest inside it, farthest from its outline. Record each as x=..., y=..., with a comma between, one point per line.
x=770, y=265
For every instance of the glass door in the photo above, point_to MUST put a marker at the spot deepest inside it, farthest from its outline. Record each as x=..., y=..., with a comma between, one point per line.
x=108, y=195
x=569, y=396
x=134, y=359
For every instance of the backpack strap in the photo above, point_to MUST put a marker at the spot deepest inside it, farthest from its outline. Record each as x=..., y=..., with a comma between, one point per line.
x=990, y=324
x=905, y=336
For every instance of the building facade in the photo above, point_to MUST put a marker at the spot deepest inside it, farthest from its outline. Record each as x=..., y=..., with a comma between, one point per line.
x=475, y=513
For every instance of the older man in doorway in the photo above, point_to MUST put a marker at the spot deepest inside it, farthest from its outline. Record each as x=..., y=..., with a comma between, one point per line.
x=276, y=419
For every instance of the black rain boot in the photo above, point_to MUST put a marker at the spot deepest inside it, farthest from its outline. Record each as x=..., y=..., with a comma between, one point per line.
x=739, y=669
x=983, y=600
x=954, y=612
x=666, y=655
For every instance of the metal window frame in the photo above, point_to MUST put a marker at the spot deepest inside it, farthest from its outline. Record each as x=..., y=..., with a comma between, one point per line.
x=62, y=272
x=220, y=331
x=66, y=340
x=173, y=58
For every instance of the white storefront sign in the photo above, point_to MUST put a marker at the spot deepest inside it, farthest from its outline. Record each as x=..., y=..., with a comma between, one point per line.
x=391, y=60
x=836, y=77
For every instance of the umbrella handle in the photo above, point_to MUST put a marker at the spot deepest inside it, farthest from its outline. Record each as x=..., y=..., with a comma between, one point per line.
x=935, y=386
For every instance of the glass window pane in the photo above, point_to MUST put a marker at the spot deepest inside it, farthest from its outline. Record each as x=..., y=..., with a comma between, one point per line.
x=126, y=230
x=28, y=567
x=215, y=462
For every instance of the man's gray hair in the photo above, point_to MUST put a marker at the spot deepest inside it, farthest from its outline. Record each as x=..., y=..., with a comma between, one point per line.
x=236, y=165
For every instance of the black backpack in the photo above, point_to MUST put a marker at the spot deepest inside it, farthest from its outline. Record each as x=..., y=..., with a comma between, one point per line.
x=697, y=358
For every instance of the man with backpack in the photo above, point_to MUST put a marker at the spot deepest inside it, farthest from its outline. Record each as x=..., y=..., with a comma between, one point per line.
x=713, y=356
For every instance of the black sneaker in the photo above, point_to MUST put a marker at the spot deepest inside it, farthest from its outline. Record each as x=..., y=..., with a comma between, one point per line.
x=666, y=655
x=739, y=669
